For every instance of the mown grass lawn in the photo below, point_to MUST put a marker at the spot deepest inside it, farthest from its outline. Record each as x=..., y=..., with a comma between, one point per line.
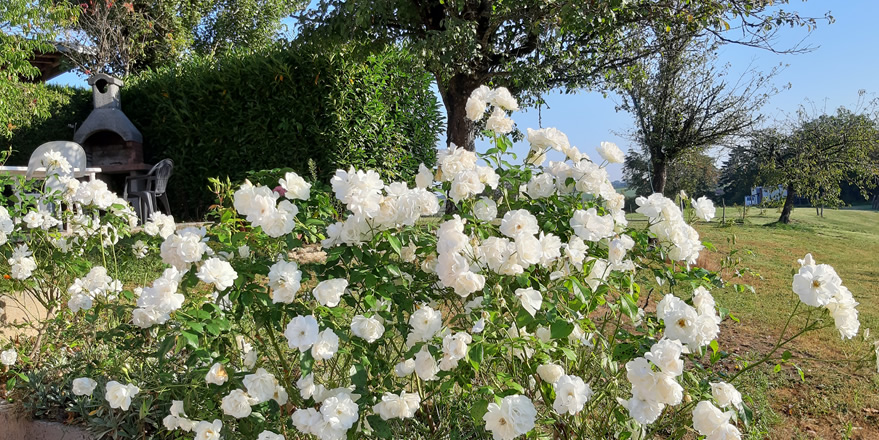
x=836, y=400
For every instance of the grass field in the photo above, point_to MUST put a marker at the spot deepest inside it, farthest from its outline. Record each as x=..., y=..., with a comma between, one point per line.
x=836, y=400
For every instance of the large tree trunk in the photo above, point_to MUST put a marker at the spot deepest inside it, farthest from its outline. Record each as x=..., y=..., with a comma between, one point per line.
x=460, y=130
x=660, y=175
x=788, y=205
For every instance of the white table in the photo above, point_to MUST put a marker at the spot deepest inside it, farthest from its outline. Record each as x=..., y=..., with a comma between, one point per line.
x=40, y=173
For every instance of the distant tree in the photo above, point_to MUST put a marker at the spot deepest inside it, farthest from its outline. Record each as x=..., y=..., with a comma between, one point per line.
x=818, y=155
x=694, y=173
x=683, y=104
x=531, y=46
x=741, y=171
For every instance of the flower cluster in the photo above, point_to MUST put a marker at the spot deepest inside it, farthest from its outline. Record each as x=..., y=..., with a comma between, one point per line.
x=259, y=204
x=97, y=283
x=653, y=389
x=818, y=285
x=695, y=326
x=375, y=206
x=668, y=224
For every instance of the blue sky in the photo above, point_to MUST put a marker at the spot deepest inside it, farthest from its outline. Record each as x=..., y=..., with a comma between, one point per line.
x=843, y=62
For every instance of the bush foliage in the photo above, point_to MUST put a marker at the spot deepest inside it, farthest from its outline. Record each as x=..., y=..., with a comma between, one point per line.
x=279, y=108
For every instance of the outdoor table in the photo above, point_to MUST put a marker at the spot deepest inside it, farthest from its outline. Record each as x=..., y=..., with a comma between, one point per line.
x=40, y=173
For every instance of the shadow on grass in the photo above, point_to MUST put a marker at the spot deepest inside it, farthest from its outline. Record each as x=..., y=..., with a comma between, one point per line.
x=792, y=226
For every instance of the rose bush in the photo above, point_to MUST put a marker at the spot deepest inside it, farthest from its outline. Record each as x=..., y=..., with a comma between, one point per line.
x=523, y=313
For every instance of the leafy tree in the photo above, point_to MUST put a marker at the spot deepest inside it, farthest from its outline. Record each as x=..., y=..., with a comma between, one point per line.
x=818, y=155
x=694, y=173
x=683, y=104
x=125, y=37
x=741, y=171
x=531, y=46
x=26, y=27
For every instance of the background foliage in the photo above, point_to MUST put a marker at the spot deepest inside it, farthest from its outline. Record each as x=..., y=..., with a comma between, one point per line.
x=277, y=108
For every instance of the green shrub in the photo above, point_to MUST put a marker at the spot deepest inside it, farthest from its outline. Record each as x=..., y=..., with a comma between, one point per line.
x=37, y=113
x=245, y=111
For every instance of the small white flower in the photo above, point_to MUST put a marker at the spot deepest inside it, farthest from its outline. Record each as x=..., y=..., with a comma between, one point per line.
x=119, y=395
x=329, y=292
x=301, y=332
x=237, y=404
x=704, y=208
x=370, y=329
x=531, y=300
x=217, y=374
x=726, y=395
x=84, y=386
x=326, y=346
x=295, y=187
x=217, y=272
x=207, y=430
x=550, y=373
x=571, y=395
x=611, y=153
x=515, y=416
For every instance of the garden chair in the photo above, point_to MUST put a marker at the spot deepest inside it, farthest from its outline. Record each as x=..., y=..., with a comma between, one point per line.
x=149, y=189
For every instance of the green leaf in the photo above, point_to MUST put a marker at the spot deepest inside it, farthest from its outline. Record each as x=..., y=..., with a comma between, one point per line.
x=478, y=410
x=474, y=355
x=561, y=329
x=395, y=244
x=191, y=338
x=381, y=427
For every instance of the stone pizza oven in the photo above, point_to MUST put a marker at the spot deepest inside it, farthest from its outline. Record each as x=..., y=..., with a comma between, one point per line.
x=108, y=137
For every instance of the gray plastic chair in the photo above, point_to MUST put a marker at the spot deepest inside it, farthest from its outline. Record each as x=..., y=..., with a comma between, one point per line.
x=150, y=188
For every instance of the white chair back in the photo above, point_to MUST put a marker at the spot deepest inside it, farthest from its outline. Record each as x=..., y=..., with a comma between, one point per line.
x=73, y=152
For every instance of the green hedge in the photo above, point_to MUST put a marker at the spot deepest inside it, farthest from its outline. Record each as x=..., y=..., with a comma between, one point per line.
x=279, y=108
x=38, y=113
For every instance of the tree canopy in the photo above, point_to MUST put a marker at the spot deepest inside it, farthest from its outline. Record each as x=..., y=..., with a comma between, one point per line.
x=531, y=46
x=818, y=154
x=683, y=103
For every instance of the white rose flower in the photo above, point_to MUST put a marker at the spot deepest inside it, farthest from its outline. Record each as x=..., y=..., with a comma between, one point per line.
x=531, y=300
x=370, y=329
x=455, y=346
x=261, y=385
x=425, y=322
x=207, y=430
x=217, y=374
x=84, y=386
x=548, y=138
x=237, y=404
x=424, y=178
x=666, y=354
x=501, y=97
x=515, y=416
x=425, y=365
x=540, y=186
x=306, y=386
x=611, y=153
x=816, y=285
x=499, y=122
x=518, y=222
x=590, y=226
x=726, y=395
x=296, y=187
x=727, y=431
x=402, y=406
x=571, y=395
x=284, y=279
x=704, y=208
x=644, y=412
x=217, y=272
x=475, y=108
x=301, y=332
x=485, y=209
x=707, y=418
x=119, y=395
x=269, y=435
x=405, y=368
x=329, y=292
x=550, y=373
x=326, y=346
x=339, y=411
x=306, y=419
